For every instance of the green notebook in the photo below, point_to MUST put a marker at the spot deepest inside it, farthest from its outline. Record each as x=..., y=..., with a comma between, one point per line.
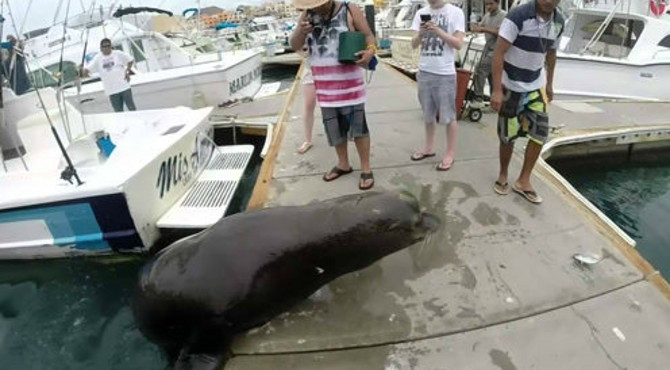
x=350, y=44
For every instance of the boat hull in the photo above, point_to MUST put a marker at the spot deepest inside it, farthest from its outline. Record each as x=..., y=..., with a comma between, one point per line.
x=209, y=84
x=117, y=207
x=586, y=77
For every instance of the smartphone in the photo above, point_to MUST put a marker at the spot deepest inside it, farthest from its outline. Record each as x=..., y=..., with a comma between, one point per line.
x=425, y=17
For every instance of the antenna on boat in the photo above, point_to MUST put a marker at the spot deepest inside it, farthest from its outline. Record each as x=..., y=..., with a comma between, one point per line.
x=59, y=91
x=83, y=59
x=69, y=171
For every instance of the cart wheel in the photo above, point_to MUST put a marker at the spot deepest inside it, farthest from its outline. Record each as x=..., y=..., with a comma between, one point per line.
x=475, y=115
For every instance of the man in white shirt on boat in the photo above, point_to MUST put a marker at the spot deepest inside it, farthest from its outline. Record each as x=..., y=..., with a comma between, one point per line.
x=114, y=68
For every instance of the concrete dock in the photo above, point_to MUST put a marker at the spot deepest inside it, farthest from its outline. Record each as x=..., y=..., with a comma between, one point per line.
x=495, y=288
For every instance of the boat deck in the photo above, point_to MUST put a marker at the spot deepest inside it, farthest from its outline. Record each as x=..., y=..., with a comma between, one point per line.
x=495, y=287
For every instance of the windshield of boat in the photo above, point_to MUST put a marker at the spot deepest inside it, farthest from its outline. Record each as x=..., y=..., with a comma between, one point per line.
x=616, y=40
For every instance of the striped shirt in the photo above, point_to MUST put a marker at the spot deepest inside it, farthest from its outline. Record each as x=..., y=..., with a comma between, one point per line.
x=336, y=84
x=531, y=37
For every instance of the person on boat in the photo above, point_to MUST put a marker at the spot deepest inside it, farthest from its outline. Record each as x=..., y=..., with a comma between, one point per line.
x=489, y=27
x=340, y=88
x=14, y=67
x=309, y=94
x=527, y=42
x=115, y=69
x=439, y=30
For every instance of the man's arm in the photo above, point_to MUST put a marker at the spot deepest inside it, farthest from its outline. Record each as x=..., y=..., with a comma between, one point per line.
x=497, y=65
x=551, y=63
x=299, y=35
x=490, y=30
x=458, y=24
x=418, y=31
x=361, y=25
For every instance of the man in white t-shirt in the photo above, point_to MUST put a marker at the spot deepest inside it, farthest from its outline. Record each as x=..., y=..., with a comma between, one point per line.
x=114, y=68
x=440, y=29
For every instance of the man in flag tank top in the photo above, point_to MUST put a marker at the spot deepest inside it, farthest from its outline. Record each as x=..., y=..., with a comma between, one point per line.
x=340, y=88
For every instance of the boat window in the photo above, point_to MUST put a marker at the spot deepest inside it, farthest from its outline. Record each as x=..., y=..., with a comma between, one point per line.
x=616, y=41
x=44, y=77
x=137, y=50
x=665, y=42
x=410, y=14
x=260, y=27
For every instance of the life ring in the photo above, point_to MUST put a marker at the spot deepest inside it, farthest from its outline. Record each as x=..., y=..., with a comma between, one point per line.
x=657, y=7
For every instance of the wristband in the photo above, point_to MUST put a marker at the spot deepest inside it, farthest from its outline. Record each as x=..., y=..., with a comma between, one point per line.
x=372, y=47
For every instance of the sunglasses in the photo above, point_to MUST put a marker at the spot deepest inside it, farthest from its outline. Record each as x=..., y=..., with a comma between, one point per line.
x=105, y=46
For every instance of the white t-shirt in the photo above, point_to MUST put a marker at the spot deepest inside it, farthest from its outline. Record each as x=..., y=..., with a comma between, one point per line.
x=436, y=55
x=112, y=70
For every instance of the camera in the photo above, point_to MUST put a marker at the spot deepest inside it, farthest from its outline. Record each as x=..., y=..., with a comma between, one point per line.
x=425, y=17
x=314, y=19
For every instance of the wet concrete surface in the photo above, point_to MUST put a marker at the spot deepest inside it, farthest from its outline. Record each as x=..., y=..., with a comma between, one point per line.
x=495, y=287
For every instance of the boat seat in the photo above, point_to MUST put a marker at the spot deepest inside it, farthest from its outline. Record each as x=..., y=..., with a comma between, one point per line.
x=617, y=51
x=207, y=200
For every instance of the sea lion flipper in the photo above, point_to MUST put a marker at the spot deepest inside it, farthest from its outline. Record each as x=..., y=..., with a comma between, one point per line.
x=200, y=361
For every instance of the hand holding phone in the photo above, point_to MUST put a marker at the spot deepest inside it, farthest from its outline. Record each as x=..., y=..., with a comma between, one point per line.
x=425, y=18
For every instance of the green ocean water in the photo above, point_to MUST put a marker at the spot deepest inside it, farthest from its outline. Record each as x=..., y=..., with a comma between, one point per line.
x=71, y=314
x=636, y=196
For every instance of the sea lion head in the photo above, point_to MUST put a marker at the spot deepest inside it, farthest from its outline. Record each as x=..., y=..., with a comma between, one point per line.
x=366, y=227
x=422, y=223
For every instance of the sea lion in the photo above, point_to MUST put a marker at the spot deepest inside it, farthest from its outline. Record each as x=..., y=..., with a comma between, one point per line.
x=193, y=296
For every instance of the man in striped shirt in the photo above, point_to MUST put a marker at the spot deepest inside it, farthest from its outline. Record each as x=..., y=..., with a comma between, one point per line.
x=527, y=40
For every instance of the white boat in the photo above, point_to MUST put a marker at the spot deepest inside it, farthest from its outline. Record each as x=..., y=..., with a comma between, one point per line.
x=268, y=32
x=166, y=74
x=615, y=49
x=141, y=171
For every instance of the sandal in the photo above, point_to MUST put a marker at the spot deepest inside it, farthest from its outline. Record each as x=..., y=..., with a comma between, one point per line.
x=307, y=145
x=418, y=156
x=364, y=177
x=335, y=173
x=530, y=195
x=444, y=167
x=501, y=188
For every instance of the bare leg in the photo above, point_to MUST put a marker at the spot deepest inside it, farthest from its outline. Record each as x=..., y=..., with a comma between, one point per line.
x=342, y=156
x=452, y=130
x=505, y=158
x=309, y=93
x=342, y=160
x=430, y=137
x=310, y=103
x=363, y=147
x=533, y=150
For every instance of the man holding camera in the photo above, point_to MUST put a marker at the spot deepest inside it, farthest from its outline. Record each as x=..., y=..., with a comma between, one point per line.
x=340, y=87
x=440, y=29
x=489, y=27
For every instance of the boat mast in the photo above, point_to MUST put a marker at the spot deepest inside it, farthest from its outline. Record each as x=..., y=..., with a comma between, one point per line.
x=69, y=171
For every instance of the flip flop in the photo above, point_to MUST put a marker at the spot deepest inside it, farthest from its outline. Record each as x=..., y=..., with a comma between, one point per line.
x=530, y=195
x=337, y=172
x=501, y=188
x=304, y=147
x=418, y=156
x=441, y=167
x=364, y=177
